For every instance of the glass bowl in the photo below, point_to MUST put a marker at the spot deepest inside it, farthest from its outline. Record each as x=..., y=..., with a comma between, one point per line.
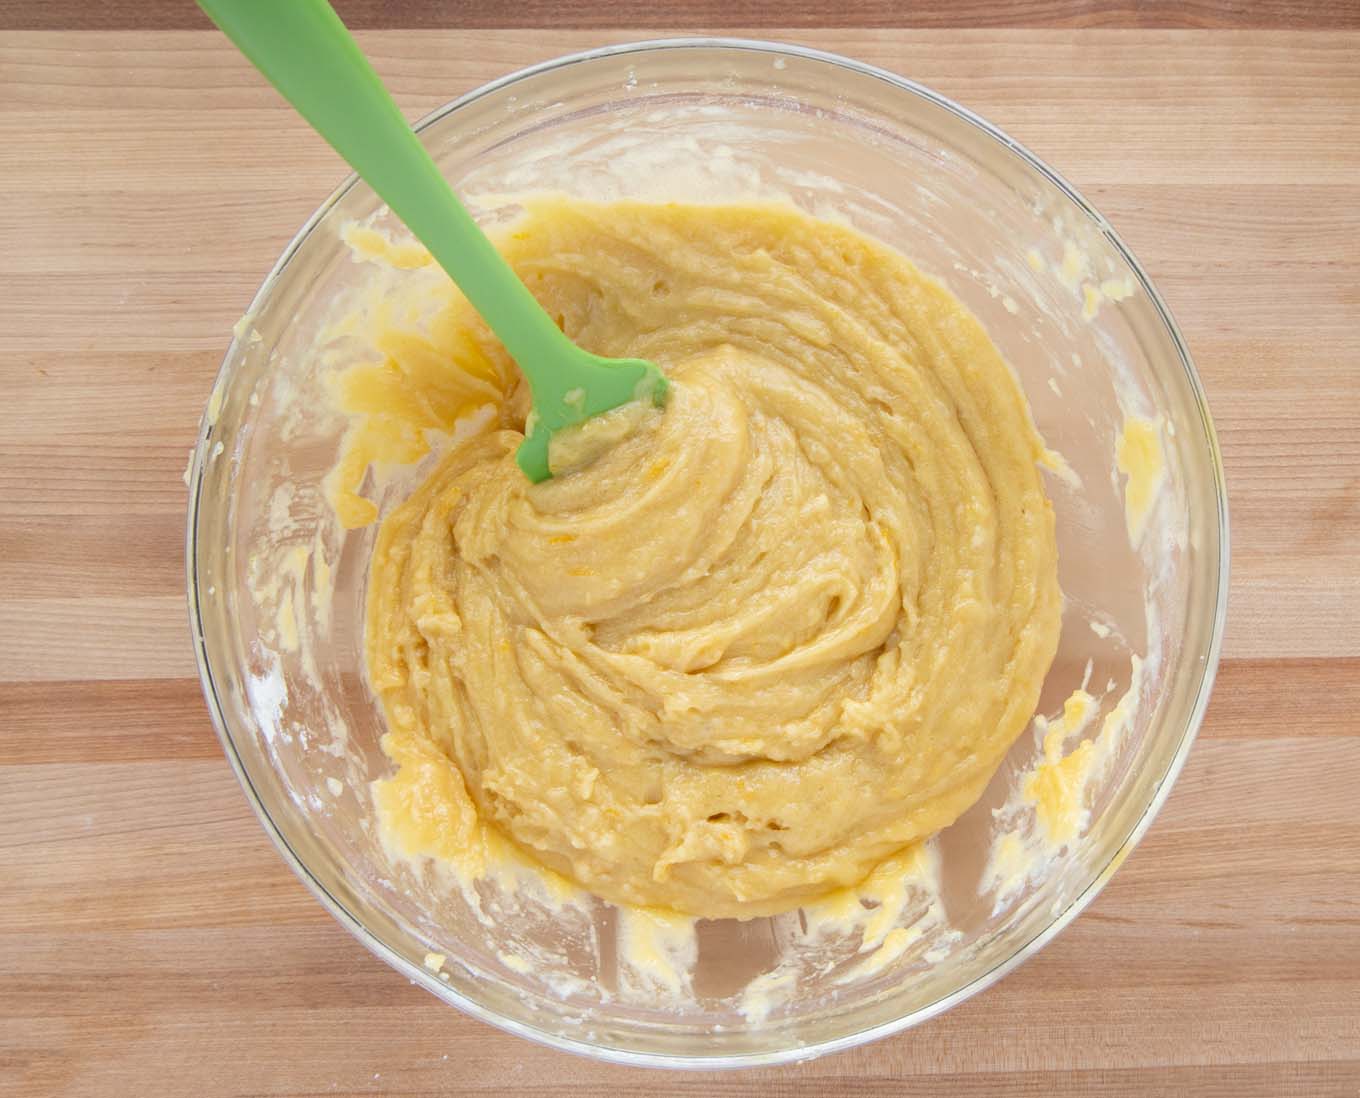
x=276, y=586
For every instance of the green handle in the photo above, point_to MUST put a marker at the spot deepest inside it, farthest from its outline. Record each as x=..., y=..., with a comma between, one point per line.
x=306, y=52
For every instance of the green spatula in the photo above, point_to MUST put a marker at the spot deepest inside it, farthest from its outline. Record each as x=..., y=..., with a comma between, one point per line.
x=307, y=54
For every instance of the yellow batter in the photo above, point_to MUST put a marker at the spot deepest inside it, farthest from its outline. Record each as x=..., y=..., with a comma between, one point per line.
x=779, y=632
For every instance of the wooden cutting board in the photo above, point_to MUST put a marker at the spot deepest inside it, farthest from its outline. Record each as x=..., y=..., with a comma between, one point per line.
x=152, y=942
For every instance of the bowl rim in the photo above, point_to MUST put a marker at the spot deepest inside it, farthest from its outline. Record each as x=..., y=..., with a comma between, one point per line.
x=1208, y=663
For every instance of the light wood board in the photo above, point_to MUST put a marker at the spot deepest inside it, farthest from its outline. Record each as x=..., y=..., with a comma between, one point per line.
x=152, y=942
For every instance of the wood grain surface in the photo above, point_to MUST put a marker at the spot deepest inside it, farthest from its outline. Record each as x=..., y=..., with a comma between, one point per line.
x=153, y=943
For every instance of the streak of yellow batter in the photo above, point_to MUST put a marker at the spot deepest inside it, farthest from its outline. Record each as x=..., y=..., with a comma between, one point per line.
x=780, y=632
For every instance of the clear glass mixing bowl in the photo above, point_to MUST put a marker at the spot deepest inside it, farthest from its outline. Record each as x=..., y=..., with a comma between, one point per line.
x=276, y=588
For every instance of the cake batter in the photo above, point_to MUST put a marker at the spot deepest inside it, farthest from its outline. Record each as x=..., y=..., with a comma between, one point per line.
x=770, y=637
